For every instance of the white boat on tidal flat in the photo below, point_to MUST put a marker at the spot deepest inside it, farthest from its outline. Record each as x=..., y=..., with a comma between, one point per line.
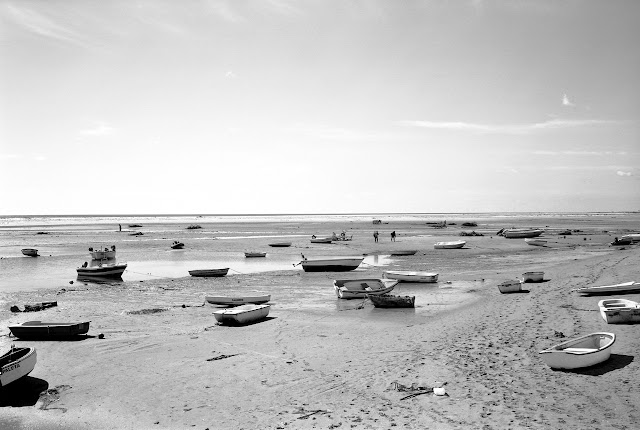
x=584, y=351
x=244, y=314
x=16, y=364
x=625, y=287
x=408, y=276
x=450, y=245
x=619, y=311
x=521, y=233
x=510, y=287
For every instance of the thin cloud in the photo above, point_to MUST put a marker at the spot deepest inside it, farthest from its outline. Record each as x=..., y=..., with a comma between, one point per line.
x=42, y=25
x=586, y=153
x=555, y=124
x=10, y=156
x=99, y=130
x=566, y=101
x=621, y=173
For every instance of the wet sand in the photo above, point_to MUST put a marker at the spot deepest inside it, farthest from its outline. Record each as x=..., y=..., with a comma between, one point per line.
x=320, y=362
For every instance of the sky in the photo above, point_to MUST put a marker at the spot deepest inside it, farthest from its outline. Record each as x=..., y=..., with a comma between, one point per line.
x=318, y=106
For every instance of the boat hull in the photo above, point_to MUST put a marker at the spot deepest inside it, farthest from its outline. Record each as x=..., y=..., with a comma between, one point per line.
x=322, y=240
x=238, y=300
x=533, y=277
x=625, y=287
x=406, y=276
x=331, y=265
x=390, y=301
x=584, y=351
x=16, y=364
x=535, y=242
x=400, y=253
x=103, y=271
x=255, y=254
x=30, y=252
x=450, y=245
x=522, y=233
x=209, y=273
x=510, y=287
x=280, y=244
x=245, y=314
x=45, y=330
x=361, y=288
x=619, y=311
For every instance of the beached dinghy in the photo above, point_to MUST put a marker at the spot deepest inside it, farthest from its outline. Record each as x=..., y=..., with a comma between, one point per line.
x=391, y=301
x=406, y=252
x=102, y=271
x=619, y=311
x=321, y=240
x=330, y=264
x=209, y=273
x=533, y=277
x=49, y=330
x=238, y=300
x=280, y=244
x=244, y=314
x=408, y=276
x=30, y=252
x=584, y=351
x=510, y=287
x=625, y=287
x=450, y=245
x=361, y=288
x=536, y=241
x=16, y=364
x=633, y=237
x=521, y=233
x=255, y=254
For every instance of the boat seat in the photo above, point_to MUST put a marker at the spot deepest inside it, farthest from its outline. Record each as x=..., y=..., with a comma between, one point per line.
x=580, y=350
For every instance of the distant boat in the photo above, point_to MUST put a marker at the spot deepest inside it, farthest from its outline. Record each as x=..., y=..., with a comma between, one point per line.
x=584, y=351
x=321, y=240
x=521, y=233
x=209, y=273
x=633, y=237
x=619, y=311
x=16, y=364
x=107, y=254
x=243, y=314
x=390, y=301
x=280, y=244
x=30, y=252
x=450, y=245
x=625, y=287
x=535, y=241
x=331, y=264
x=407, y=276
x=621, y=242
x=49, y=330
x=407, y=252
x=135, y=225
x=177, y=245
x=255, y=254
x=532, y=276
x=510, y=287
x=102, y=271
x=361, y=288
x=238, y=300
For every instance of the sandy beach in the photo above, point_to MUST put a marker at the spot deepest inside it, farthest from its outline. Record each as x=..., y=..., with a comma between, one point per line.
x=320, y=362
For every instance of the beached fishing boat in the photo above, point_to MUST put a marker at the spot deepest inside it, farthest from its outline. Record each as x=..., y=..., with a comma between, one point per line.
x=49, y=330
x=619, y=311
x=510, y=287
x=177, y=245
x=255, y=254
x=112, y=270
x=244, y=314
x=30, y=252
x=16, y=364
x=533, y=277
x=582, y=352
x=107, y=254
x=633, y=237
x=209, y=273
x=330, y=264
x=408, y=276
x=407, y=252
x=238, y=300
x=361, y=288
x=321, y=240
x=280, y=244
x=625, y=287
x=535, y=241
x=450, y=245
x=521, y=233
x=391, y=301
x=621, y=242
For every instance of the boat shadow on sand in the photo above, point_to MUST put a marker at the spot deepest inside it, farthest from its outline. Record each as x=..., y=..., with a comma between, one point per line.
x=615, y=362
x=25, y=392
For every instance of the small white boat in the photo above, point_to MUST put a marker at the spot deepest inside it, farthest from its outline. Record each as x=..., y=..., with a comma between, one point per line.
x=535, y=241
x=407, y=276
x=584, y=351
x=321, y=240
x=209, y=273
x=361, y=288
x=450, y=245
x=102, y=271
x=244, y=314
x=238, y=300
x=280, y=244
x=521, y=233
x=532, y=276
x=30, y=252
x=510, y=287
x=331, y=264
x=107, y=254
x=625, y=287
x=633, y=237
x=16, y=364
x=255, y=254
x=406, y=252
x=619, y=311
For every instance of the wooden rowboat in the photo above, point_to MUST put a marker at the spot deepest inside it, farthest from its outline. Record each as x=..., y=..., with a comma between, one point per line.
x=406, y=252
x=619, y=311
x=521, y=233
x=16, y=364
x=362, y=288
x=244, y=314
x=390, y=301
x=407, y=276
x=450, y=245
x=238, y=300
x=625, y=287
x=255, y=254
x=49, y=330
x=533, y=277
x=30, y=252
x=209, y=273
x=510, y=287
x=331, y=264
x=280, y=244
x=584, y=351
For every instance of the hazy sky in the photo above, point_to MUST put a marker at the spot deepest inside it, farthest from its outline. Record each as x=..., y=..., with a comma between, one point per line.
x=318, y=106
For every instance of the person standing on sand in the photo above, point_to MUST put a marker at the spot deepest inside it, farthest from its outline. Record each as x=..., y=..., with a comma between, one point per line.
x=393, y=236
x=375, y=236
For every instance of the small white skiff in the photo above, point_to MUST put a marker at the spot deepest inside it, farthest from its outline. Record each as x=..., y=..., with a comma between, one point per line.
x=533, y=277
x=619, y=311
x=407, y=276
x=450, y=245
x=625, y=287
x=521, y=233
x=16, y=364
x=244, y=314
x=510, y=287
x=584, y=351
x=361, y=288
x=238, y=300
x=536, y=241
